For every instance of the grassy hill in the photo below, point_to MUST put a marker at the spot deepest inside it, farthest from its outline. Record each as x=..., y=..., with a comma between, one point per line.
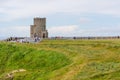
x=61, y=60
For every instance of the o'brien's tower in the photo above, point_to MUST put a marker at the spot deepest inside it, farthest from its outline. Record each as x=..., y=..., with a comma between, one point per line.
x=39, y=28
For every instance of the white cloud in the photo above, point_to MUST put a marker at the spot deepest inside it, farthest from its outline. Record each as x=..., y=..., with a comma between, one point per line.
x=84, y=20
x=74, y=30
x=13, y=31
x=68, y=30
x=15, y=9
x=102, y=31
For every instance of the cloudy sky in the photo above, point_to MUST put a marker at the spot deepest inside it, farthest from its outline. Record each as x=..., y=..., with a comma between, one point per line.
x=64, y=17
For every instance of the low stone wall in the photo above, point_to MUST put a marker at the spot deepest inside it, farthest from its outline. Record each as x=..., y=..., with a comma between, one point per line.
x=106, y=37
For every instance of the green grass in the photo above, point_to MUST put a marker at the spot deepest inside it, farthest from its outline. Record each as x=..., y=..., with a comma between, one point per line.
x=14, y=56
x=62, y=60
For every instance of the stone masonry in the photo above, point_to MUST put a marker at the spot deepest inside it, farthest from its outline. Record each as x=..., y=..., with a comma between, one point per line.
x=39, y=28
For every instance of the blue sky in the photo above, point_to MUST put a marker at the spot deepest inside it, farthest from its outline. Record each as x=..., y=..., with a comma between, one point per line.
x=64, y=17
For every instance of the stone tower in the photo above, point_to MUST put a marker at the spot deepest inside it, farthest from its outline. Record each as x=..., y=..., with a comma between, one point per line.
x=39, y=28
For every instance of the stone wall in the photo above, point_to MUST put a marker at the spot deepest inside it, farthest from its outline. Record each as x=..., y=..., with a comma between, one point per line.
x=39, y=28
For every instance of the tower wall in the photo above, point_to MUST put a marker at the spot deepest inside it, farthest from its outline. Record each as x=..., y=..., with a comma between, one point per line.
x=39, y=28
x=31, y=31
x=40, y=23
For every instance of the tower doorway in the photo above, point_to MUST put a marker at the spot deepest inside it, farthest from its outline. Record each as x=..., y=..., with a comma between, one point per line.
x=43, y=35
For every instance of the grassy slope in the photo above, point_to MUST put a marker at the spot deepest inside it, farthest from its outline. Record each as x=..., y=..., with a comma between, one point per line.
x=62, y=60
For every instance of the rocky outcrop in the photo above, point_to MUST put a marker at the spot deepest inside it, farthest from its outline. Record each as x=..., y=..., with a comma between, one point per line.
x=10, y=75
